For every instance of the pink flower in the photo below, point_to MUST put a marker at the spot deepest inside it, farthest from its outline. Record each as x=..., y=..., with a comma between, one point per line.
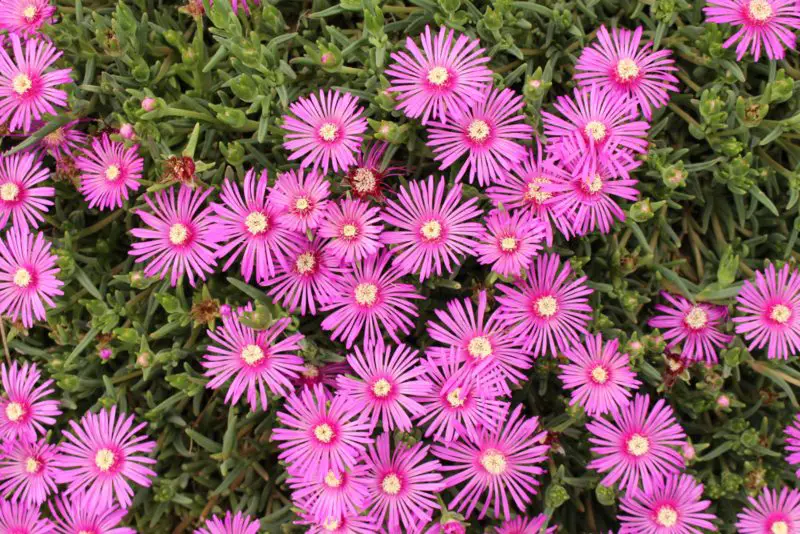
x=342, y=524
x=20, y=518
x=109, y=172
x=27, y=276
x=181, y=238
x=771, y=512
x=301, y=199
x=402, y=485
x=768, y=24
x=793, y=443
x=333, y=493
x=244, y=6
x=432, y=229
x=697, y=326
x=149, y=104
x=353, y=228
x=318, y=436
x=126, y=131
x=102, y=455
x=548, y=310
x=25, y=16
x=64, y=140
x=502, y=461
x=600, y=377
x=369, y=300
x=441, y=80
x=27, y=473
x=250, y=227
x=488, y=132
x=326, y=375
x=672, y=505
x=524, y=525
x=27, y=92
x=366, y=178
x=638, y=444
x=19, y=198
x=324, y=131
x=771, y=312
x=388, y=384
x=618, y=61
x=23, y=412
x=240, y=523
x=254, y=360
x=74, y=513
x=510, y=241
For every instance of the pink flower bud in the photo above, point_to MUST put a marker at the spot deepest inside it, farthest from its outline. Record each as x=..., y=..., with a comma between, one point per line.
x=126, y=131
x=149, y=104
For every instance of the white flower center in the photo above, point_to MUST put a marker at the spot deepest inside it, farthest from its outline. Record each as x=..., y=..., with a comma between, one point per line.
x=627, y=69
x=301, y=204
x=364, y=180
x=14, y=411
x=697, y=318
x=431, y=230
x=112, y=173
x=779, y=527
x=310, y=371
x=178, y=234
x=780, y=313
x=332, y=481
x=104, y=459
x=391, y=484
x=330, y=524
x=455, y=399
x=29, y=12
x=508, y=244
x=479, y=347
x=22, y=278
x=438, y=76
x=381, y=388
x=638, y=445
x=305, y=263
x=323, y=432
x=760, y=10
x=494, y=462
x=478, y=130
x=599, y=375
x=256, y=223
x=594, y=186
x=32, y=465
x=349, y=231
x=667, y=516
x=328, y=131
x=546, y=306
x=252, y=354
x=596, y=130
x=21, y=84
x=366, y=294
x=9, y=192
x=534, y=192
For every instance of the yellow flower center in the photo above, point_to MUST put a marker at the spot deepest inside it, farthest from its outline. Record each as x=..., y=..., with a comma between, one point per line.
x=330, y=524
x=29, y=12
x=9, y=192
x=780, y=313
x=547, y=306
x=22, y=278
x=595, y=185
x=638, y=445
x=760, y=10
x=305, y=263
x=455, y=399
x=779, y=527
x=112, y=173
x=596, y=130
x=479, y=347
x=178, y=234
x=366, y=294
x=364, y=180
x=32, y=465
x=391, y=484
x=301, y=204
x=332, y=481
x=627, y=69
x=494, y=462
x=256, y=223
x=438, y=76
x=478, y=130
x=311, y=371
x=252, y=354
x=697, y=318
x=104, y=459
x=328, y=131
x=85, y=532
x=349, y=230
x=323, y=432
x=431, y=230
x=599, y=375
x=21, y=84
x=667, y=516
x=14, y=411
x=55, y=137
x=508, y=244
x=535, y=193
x=381, y=387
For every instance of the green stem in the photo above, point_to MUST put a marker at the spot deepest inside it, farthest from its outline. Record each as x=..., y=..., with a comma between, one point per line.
x=99, y=225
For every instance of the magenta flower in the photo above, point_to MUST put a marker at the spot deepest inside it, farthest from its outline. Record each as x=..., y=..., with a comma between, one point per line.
x=353, y=228
x=325, y=131
x=27, y=92
x=771, y=312
x=388, y=385
x=442, y=79
x=102, y=455
x=240, y=523
x=250, y=227
x=488, y=133
x=253, y=360
x=771, y=513
x=637, y=444
x=109, y=172
x=63, y=141
x=768, y=24
x=326, y=375
x=20, y=518
x=598, y=375
x=27, y=472
x=320, y=436
x=510, y=241
x=697, y=326
x=432, y=229
x=366, y=178
x=332, y=494
x=793, y=443
x=343, y=524
x=19, y=198
x=524, y=525
x=402, y=485
x=244, y=6
x=301, y=199
x=503, y=460
x=548, y=310
x=27, y=276
x=672, y=505
x=368, y=300
x=307, y=279
x=181, y=238
x=74, y=514
x=618, y=61
x=25, y=16
x=23, y=412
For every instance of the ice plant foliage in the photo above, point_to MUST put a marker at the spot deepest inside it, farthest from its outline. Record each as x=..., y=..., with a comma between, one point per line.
x=21, y=198
x=110, y=171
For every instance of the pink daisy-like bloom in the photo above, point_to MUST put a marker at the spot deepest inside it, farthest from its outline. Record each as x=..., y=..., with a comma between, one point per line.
x=771, y=513
x=599, y=376
x=767, y=24
x=109, y=172
x=27, y=276
x=342, y=524
x=442, y=79
x=402, y=485
x=301, y=198
x=307, y=279
x=27, y=92
x=74, y=514
x=333, y=493
x=353, y=228
x=619, y=61
x=23, y=411
x=502, y=462
x=19, y=198
x=638, y=444
x=325, y=132
x=388, y=385
x=326, y=375
x=697, y=326
x=522, y=188
x=254, y=360
x=250, y=227
x=366, y=178
x=770, y=311
x=432, y=229
x=64, y=140
x=27, y=472
x=320, y=436
x=524, y=525
x=240, y=523
x=488, y=133
x=599, y=130
x=510, y=241
x=20, y=518
x=181, y=238
x=793, y=444
x=673, y=505
x=25, y=16
x=481, y=341
x=102, y=455
x=368, y=300
x=547, y=309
